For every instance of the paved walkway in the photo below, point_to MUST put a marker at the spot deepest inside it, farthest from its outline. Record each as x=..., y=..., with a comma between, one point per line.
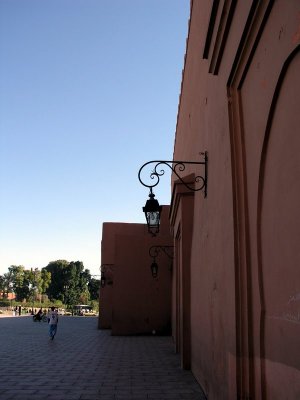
x=84, y=363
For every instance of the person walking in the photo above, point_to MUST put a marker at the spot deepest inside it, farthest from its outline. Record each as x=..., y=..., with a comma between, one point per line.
x=39, y=315
x=52, y=321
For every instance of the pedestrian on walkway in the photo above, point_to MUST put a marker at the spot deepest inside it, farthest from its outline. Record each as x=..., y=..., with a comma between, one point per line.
x=38, y=316
x=52, y=321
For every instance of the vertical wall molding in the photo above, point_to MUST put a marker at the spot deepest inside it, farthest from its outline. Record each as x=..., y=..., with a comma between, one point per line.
x=254, y=27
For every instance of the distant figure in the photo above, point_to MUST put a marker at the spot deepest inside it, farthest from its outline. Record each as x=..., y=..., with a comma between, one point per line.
x=52, y=321
x=38, y=316
x=20, y=310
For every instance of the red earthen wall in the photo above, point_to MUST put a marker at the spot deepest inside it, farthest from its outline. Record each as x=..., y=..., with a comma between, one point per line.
x=136, y=303
x=240, y=102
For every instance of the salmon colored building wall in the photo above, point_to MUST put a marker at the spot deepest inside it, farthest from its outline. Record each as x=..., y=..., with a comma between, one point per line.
x=135, y=303
x=236, y=281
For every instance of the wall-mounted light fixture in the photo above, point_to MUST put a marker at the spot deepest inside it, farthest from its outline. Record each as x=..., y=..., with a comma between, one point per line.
x=152, y=212
x=104, y=280
x=154, y=252
x=152, y=208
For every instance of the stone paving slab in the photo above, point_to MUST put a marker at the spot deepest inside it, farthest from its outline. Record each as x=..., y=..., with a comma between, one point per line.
x=84, y=363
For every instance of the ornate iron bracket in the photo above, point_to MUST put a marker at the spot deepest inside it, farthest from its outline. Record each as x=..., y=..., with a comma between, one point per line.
x=177, y=167
x=155, y=250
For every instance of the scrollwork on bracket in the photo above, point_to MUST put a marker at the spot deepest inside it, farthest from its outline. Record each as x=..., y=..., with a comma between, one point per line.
x=177, y=168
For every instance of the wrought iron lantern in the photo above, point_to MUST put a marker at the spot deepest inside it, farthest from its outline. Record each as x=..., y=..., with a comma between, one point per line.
x=152, y=212
x=152, y=208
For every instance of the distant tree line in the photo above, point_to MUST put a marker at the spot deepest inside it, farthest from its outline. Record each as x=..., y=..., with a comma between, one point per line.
x=67, y=282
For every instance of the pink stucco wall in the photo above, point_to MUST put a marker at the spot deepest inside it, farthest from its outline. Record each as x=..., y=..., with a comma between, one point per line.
x=239, y=102
x=136, y=303
x=109, y=232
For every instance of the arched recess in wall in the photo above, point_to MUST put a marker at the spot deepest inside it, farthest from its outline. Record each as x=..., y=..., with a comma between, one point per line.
x=278, y=237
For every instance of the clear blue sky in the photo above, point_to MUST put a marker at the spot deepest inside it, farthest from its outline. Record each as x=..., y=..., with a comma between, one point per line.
x=89, y=92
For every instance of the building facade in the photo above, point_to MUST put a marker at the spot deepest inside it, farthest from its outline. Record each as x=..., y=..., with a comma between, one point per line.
x=236, y=280
x=132, y=301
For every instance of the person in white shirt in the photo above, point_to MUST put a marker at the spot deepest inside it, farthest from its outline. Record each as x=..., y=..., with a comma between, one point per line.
x=52, y=321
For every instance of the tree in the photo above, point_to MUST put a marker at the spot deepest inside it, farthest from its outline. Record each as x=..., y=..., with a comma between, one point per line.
x=22, y=289
x=94, y=287
x=59, y=279
x=2, y=286
x=69, y=281
x=79, y=278
x=15, y=281
x=46, y=280
x=26, y=284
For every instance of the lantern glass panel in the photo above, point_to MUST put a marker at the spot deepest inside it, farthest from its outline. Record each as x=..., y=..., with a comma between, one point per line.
x=153, y=220
x=152, y=212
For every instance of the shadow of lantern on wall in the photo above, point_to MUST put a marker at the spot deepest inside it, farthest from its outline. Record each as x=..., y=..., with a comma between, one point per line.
x=106, y=277
x=154, y=252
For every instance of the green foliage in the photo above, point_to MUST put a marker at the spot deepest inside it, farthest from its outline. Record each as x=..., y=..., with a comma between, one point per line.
x=22, y=289
x=60, y=283
x=69, y=281
x=59, y=278
x=94, y=288
x=95, y=305
x=2, y=286
x=46, y=280
x=26, y=284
